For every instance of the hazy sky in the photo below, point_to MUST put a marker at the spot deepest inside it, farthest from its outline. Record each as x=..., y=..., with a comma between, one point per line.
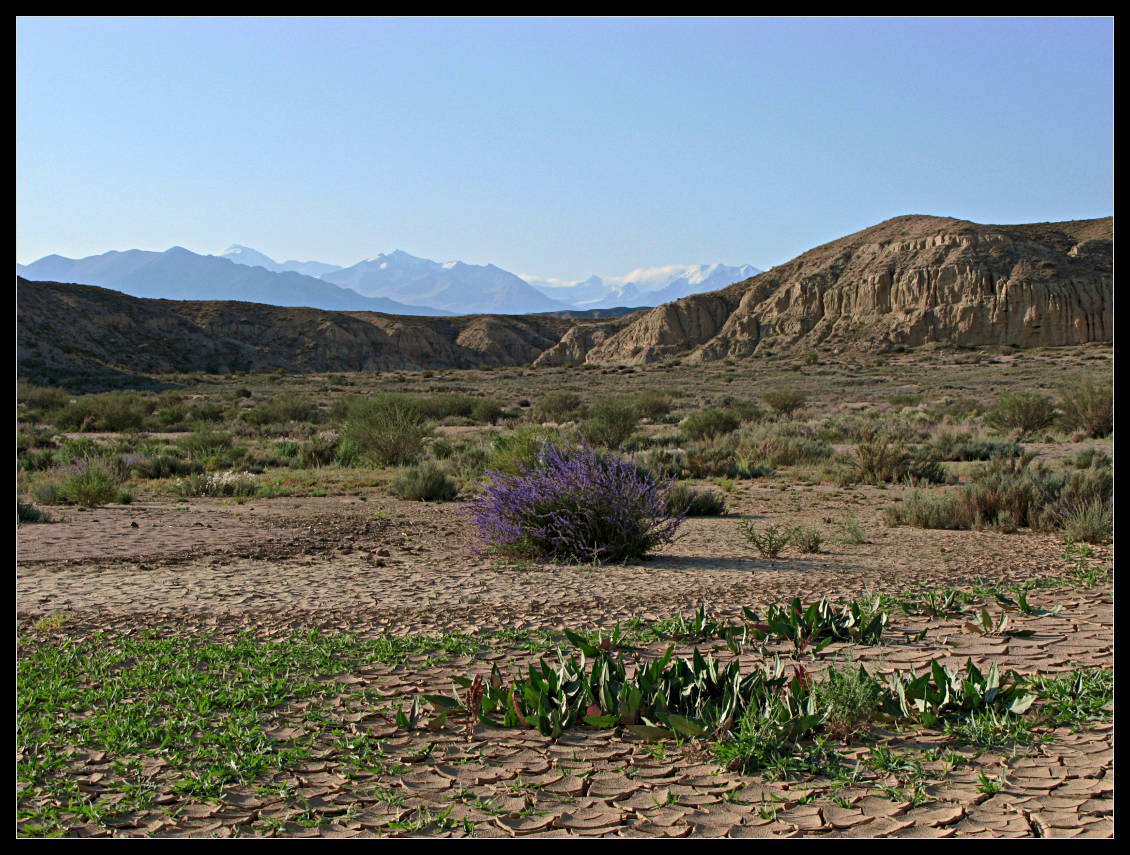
x=555, y=147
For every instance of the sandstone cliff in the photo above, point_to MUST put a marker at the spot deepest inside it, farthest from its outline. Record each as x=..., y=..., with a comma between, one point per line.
x=908, y=281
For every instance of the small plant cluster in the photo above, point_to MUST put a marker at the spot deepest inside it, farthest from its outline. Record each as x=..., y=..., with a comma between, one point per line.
x=219, y=484
x=575, y=504
x=821, y=623
x=771, y=541
x=1009, y=493
x=754, y=717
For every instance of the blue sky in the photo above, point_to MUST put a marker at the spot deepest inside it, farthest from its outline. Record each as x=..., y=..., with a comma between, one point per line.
x=553, y=147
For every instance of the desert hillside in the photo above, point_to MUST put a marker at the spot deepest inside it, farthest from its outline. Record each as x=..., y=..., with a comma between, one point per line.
x=907, y=281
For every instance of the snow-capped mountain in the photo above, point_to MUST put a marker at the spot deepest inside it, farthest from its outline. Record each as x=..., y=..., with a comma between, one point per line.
x=253, y=258
x=453, y=286
x=645, y=286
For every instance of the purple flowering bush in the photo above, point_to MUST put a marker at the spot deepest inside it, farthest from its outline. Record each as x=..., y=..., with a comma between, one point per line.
x=575, y=504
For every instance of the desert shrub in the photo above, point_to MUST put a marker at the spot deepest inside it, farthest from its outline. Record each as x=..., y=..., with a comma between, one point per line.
x=778, y=445
x=610, y=423
x=743, y=411
x=163, y=466
x=85, y=484
x=785, y=400
x=441, y=448
x=1013, y=486
x=883, y=459
x=320, y=451
x=110, y=411
x=560, y=406
x=806, y=539
x=385, y=432
x=951, y=445
x=278, y=410
x=1092, y=522
x=653, y=404
x=72, y=450
x=211, y=449
x=523, y=448
x=958, y=409
x=206, y=411
x=1092, y=458
x=709, y=424
x=850, y=703
x=1087, y=406
x=709, y=459
x=41, y=397
x=770, y=542
x=849, y=530
x=486, y=411
x=425, y=482
x=576, y=504
x=171, y=415
x=684, y=500
x=219, y=484
x=36, y=460
x=928, y=510
x=1026, y=412
x=904, y=399
x=27, y=512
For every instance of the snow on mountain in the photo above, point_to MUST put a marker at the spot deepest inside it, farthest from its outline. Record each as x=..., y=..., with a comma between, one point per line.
x=453, y=286
x=645, y=286
x=253, y=258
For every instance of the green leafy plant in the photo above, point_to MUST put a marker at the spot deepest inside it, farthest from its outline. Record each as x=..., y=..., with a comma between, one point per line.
x=941, y=692
x=770, y=542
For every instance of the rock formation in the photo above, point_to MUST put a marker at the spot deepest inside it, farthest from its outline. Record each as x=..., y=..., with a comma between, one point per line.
x=908, y=281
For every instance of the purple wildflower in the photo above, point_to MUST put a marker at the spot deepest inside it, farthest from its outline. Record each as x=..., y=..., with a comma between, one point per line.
x=575, y=504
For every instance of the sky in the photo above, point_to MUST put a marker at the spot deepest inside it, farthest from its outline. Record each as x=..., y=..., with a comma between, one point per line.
x=550, y=147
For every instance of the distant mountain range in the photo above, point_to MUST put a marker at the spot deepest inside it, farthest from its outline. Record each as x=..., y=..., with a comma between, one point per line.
x=646, y=286
x=394, y=283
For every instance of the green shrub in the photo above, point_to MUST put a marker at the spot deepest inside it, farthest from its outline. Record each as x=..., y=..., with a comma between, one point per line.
x=41, y=397
x=560, y=406
x=1092, y=458
x=927, y=510
x=385, y=432
x=682, y=499
x=1026, y=412
x=883, y=459
x=806, y=539
x=163, y=466
x=424, y=483
x=653, y=404
x=1092, y=522
x=110, y=411
x=771, y=542
x=211, y=449
x=26, y=512
x=949, y=445
x=522, y=448
x=709, y=424
x=280, y=410
x=486, y=411
x=88, y=487
x=785, y=400
x=1087, y=406
x=610, y=423
x=778, y=445
x=711, y=459
x=850, y=703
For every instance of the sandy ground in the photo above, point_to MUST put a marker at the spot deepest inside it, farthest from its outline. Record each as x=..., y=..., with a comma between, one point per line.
x=381, y=565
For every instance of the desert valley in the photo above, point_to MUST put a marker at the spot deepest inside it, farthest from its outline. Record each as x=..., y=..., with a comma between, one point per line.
x=823, y=552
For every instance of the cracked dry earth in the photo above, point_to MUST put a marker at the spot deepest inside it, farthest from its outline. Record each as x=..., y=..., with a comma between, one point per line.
x=382, y=566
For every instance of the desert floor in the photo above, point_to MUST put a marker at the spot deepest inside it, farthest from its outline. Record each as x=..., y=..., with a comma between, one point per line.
x=374, y=566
